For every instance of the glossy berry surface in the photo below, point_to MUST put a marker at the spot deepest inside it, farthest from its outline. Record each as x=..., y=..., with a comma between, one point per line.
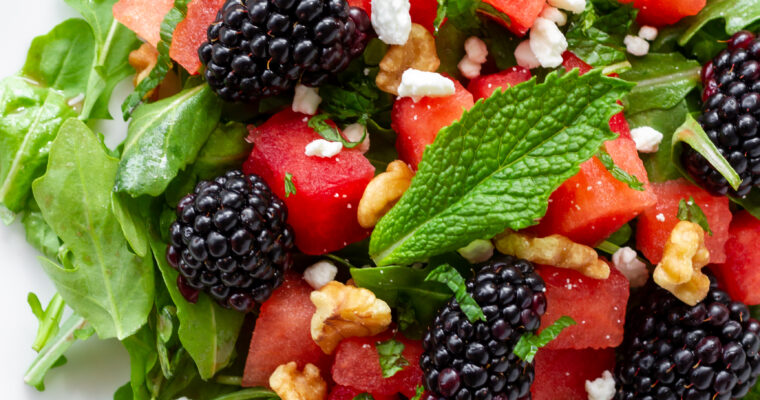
x=231, y=240
x=474, y=360
x=260, y=48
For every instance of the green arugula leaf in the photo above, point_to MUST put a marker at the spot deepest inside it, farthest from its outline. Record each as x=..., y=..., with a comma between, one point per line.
x=596, y=35
x=128, y=212
x=751, y=203
x=622, y=235
x=449, y=276
x=364, y=396
x=330, y=132
x=249, y=394
x=405, y=315
x=392, y=360
x=662, y=81
x=617, y=172
x=290, y=187
x=528, y=345
x=690, y=211
x=163, y=138
x=496, y=167
x=143, y=358
x=38, y=233
x=659, y=165
x=50, y=318
x=736, y=14
x=51, y=355
x=101, y=280
x=460, y=13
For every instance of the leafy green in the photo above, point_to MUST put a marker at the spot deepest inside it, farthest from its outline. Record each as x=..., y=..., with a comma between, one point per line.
x=751, y=202
x=690, y=211
x=460, y=13
x=49, y=318
x=736, y=14
x=662, y=81
x=51, y=355
x=38, y=233
x=102, y=280
x=596, y=35
x=128, y=212
x=528, y=345
x=163, y=138
x=249, y=394
x=659, y=165
x=496, y=167
x=622, y=235
x=330, y=132
x=450, y=277
x=392, y=360
x=290, y=187
x=617, y=172
x=419, y=391
x=364, y=396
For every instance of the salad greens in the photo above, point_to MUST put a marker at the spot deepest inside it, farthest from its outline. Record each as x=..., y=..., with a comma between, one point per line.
x=391, y=359
x=528, y=345
x=450, y=277
x=690, y=211
x=596, y=35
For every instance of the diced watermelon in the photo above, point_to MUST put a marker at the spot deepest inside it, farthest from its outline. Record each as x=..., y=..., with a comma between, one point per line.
x=665, y=12
x=592, y=205
x=656, y=223
x=570, y=61
x=596, y=305
x=143, y=17
x=562, y=374
x=521, y=13
x=483, y=86
x=348, y=393
x=283, y=334
x=740, y=274
x=357, y=365
x=323, y=209
x=417, y=124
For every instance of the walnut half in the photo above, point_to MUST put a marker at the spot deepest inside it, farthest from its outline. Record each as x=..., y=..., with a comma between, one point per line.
x=418, y=52
x=291, y=384
x=680, y=270
x=383, y=192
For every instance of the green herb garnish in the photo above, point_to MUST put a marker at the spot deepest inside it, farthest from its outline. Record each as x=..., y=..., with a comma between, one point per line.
x=290, y=187
x=690, y=211
x=391, y=358
x=449, y=276
x=528, y=345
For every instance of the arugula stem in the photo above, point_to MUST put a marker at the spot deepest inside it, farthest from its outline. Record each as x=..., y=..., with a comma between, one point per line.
x=608, y=247
x=229, y=380
x=53, y=351
x=249, y=394
x=49, y=322
x=339, y=260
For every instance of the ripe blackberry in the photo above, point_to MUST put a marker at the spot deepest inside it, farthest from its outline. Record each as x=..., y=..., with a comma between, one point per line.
x=260, y=48
x=731, y=109
x=465, y=360
x=675, y=351
x=230, y=240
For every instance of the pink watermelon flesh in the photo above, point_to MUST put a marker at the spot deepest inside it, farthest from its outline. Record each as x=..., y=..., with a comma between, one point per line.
x=323, y=209
x=348, y=393
x=740, y=274
x=562, y=374
x=143, y=17
x=483, y=86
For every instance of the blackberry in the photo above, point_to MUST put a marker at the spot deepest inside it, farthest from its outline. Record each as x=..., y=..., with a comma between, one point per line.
x=260, y=48
x=731, y=109
x=231, y=241
x=466, y=360
x=675, y=351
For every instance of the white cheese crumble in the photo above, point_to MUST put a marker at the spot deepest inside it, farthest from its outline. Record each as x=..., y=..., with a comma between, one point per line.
x=323, y=148
x=554, y=14
x=525, y=57
x=574, y=6
x=660, y=217
x=470, y=69
x=476, y=49
x=627, y=262
x=477, y=251
x=354, y=133
x=391, y=20
x=648, y=33
x=320, y=274
x=547, y=43
x=647, y=139
x=636, y=45
x=306, y=100
x=418, y=84
x=602, y=388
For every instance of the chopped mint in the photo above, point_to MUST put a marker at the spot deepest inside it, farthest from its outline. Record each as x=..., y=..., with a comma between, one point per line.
x=330, y=132
x=364, y=396
x=420, y=390
x=449, y=276
x=690, y=211
x=528, y=345
x=406, y=316
x=619, y=173
x=391, y=359
x=290, y=187
x=596, y=35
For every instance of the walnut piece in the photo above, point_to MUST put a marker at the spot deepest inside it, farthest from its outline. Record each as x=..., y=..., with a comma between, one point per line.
x=291, y=384
x=143, y=60
x=418, y=52
x=383, y=192
x=346, y=311
x=554, y=250
x=680, y=270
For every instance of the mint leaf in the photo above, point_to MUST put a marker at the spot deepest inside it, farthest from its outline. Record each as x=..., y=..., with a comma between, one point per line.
x=420, y=390
x=596, y=35
x=662, y=81
x=617, y=172
x=391, y=358
x=364, y=396
x=528, y=345
x=329, y=132
x=449, y=276
x=290, y=188
x=496, y=167
x=737, y=15
x=406, y=316
x=690, y=211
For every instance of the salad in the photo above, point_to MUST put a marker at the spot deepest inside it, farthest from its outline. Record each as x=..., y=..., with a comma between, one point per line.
x=397, y=199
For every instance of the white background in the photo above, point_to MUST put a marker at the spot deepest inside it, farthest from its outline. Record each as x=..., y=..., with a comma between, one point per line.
x=95, y=368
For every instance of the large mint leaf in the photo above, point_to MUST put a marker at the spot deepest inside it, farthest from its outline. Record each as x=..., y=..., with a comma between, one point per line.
x=662, y=81
x=737, y=15
x=596, y=35
x=496, y=167
x=100, y=279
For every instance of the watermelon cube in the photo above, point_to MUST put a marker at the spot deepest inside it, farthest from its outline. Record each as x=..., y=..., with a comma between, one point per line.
x=483, y=86
x=571, y=61
x=323, y=209
x=521, y=13
x=656, y=223
x=283, y=334
x=596, y=305
x=417, y=123
x=562, y=374
x=740, y=274
x=665, y=12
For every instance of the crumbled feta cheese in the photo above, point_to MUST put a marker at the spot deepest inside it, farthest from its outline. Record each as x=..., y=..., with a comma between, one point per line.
x=574, y=6
x=602, y=388
x=647, y=139
x=636, y=45
x=418, y=84
x=547, y=42
x=320, y=274
x=627, y=262
x=323, y=148
x=470, y=69
x=354, y=133
x=525, y=57
x=477, y=251
x=554, y=14
x=476, y=49
x=306, y=100
x=391, y=20
x=660, y=217
x=648, y=32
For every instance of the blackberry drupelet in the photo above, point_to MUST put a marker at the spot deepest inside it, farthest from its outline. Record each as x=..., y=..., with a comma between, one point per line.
x=230, y=240
x=731, y=109
x=260, y=48
x=675, y=351
x=474, y=361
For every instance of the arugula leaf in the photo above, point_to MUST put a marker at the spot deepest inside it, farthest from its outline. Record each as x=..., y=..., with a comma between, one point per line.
x=330, y=133
x=659, y=165
x=143, y=358
x=736, y=14
x=528, y=345
x=38, y=233
x=406, y=315
x=662, y=81
x=751, y=202
x=690, y=211
x=460, y=13
x=49, y=318
x=290, y=187
x=51, y=355
x=496, y=167
x=250, y=394
x=621, y=236
x=128, y=212
x=449, y=276
x=364, y=396
x=163, y=138
x=392, y=360
x=102, y=280
x=596, y=35
x=617, y=172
